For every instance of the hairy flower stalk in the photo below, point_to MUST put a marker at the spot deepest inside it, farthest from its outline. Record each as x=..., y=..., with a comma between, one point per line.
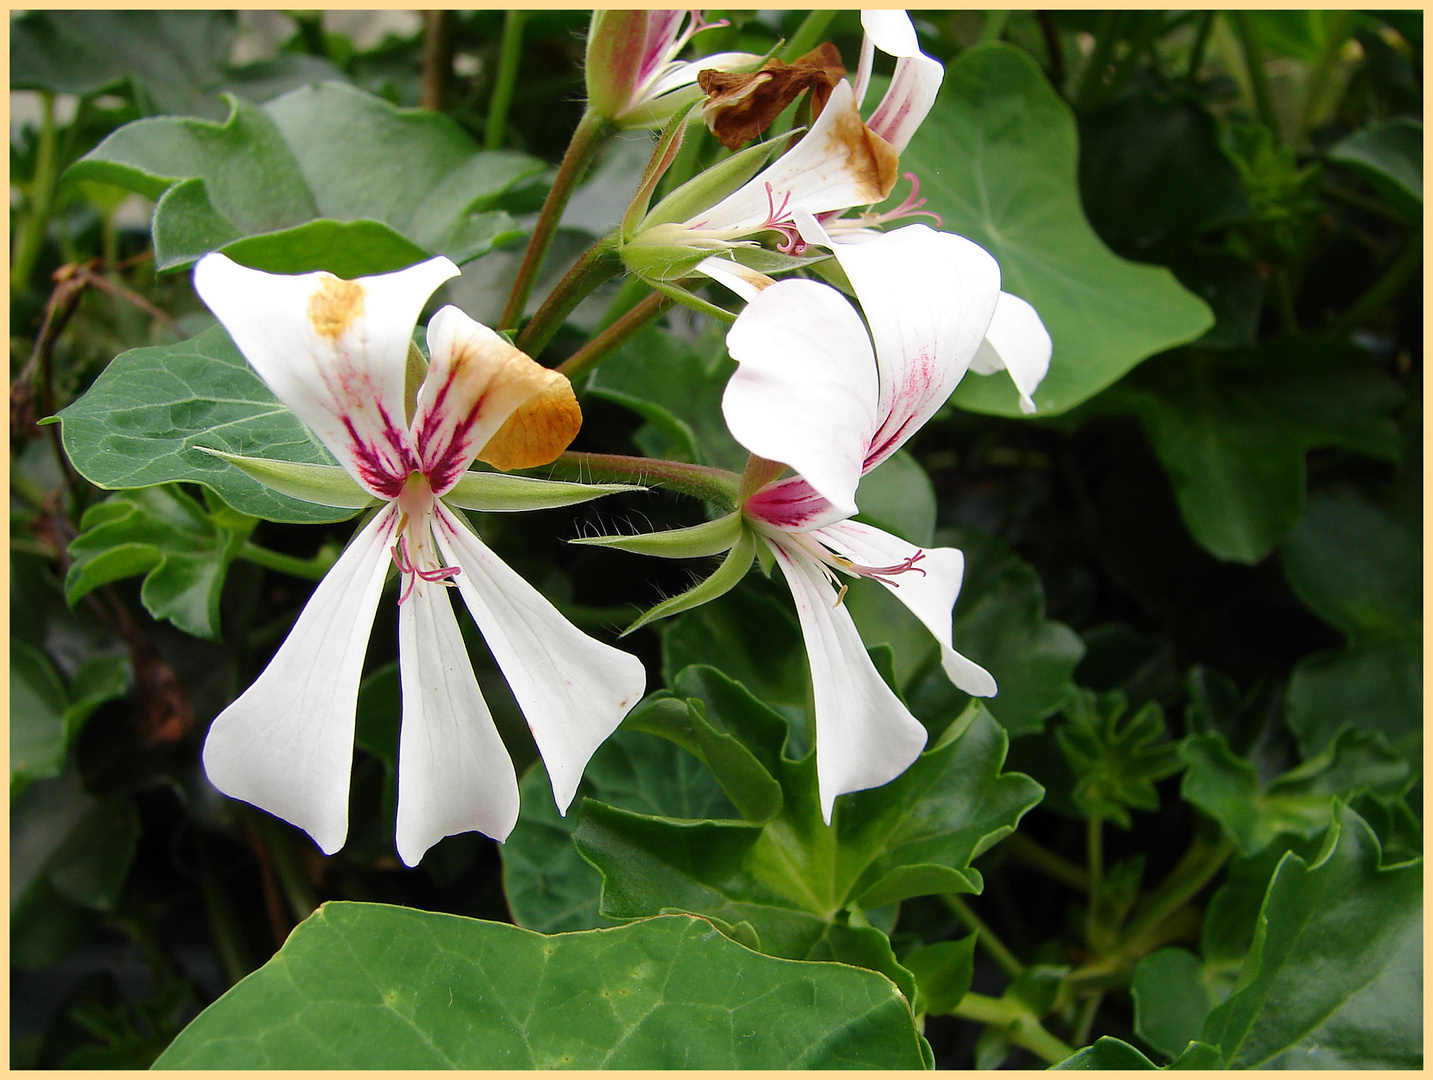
x=338, y=354
x=830, y=396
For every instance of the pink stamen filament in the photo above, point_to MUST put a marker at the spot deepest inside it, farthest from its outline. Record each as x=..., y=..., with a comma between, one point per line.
x=792, y=244
x=406, y=565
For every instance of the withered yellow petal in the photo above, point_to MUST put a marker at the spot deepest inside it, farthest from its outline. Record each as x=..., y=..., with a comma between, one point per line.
x=539, y=429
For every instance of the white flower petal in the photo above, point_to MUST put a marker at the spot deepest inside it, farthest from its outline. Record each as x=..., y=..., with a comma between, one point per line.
x=915, y=83
x=1017, y=342
x=929, y=589
x=805, y=391
x=286, y=743
x=572, y=690
x=742, y=280
x=835, y=166
x=865, y=737
x=454, y=773
x=335, y=352
x=928, y=298
x=891, y=31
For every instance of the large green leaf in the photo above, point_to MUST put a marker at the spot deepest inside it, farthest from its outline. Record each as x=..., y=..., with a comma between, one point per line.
x=368, y=986
x=145, y=418
x=1374, y=687
x=549, y=886
x=1231, y=429
x=1300, y=801
x=1171, y=999
x=1390, y=155
x=997, y=159
x=320, y=155
x=1334, y=977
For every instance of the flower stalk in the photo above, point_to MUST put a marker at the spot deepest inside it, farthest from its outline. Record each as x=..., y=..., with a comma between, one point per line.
x=600, y=263
x=595, y=351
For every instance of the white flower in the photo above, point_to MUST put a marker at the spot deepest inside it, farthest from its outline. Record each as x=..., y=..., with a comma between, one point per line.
x=812, y=393
x=337, y=353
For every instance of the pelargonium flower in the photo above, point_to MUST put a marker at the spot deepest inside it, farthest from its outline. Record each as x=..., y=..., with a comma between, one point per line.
x=818, y=392
x=840, y=163
x=633, y=75
x=338, y=354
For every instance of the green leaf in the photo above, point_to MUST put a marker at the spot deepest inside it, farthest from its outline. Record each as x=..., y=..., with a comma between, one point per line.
x=45, y=717
x=371, y=986
x=164, y=534
x=997, y=159
x=1154, y=181
x=1231, y=429
x=942, y=973
x=66, y=842
x=153, y=412
x=999, y=622
x=270, y=183
x=1358, y=567
x=793, y=878
x=1390, y=155
x=1111, y=1053
x=1171, y=1000
x=897, y=496
x=549, y=886
x=1334, y=977
x=1300, y=801
x=1376, y=687
x=676, y=386
x=1116, y=763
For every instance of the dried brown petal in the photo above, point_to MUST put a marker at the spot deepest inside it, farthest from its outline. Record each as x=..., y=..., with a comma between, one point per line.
x=741, y=105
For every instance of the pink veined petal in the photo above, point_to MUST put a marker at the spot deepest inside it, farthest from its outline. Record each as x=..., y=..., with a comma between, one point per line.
x=792, y=505
x=454, y=773
x=914, y=85
x=680, y=75
x=286, y=743
x=822, y=172
x=805, y=390
x=572, y=690
x=661, y=34
x=335, y=352
x=864, y=66
x=928, y=590
x=928, y=298
x=865, y=737
x=1018, y=342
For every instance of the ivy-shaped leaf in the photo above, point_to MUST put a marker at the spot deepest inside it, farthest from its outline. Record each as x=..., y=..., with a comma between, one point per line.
x=147, y=418
x=371, y=986
x=797, y=883
x=1334, y=977
x=1116, y=758
x=1227, y=788
x=323, y=163
x=165, y=535
x=997, y=159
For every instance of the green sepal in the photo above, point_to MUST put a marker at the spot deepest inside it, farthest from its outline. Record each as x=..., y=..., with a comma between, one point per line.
x=690, y=299
x=662, y=157
x=327, y=485
x=711, y=186
x=665, y=258
x=693, y=542
x=746, y=782
x=502, y=493
x=731, y=571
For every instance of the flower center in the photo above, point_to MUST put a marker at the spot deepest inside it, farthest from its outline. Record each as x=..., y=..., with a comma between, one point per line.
x=414, y=552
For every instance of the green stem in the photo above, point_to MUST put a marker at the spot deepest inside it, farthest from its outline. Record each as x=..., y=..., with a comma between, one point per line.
x=1201, y=45
x=1093, y=73
x=1258, y=77
x=808, y=35
x=1317, y=86
x=1042, y=858
x=219, y=907
x=509, y=54
x=600, y=263
x=700, y=481
x=1384, y=289
x=288, y=867
x=42, y=196
x=1095, y=860
x=992, y=944
x=592, y=129
x=1284, y=299
x=596, y=350
x=308, y=569
x=1019, y=1025
x=1086, y=1021
x=994, y=25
